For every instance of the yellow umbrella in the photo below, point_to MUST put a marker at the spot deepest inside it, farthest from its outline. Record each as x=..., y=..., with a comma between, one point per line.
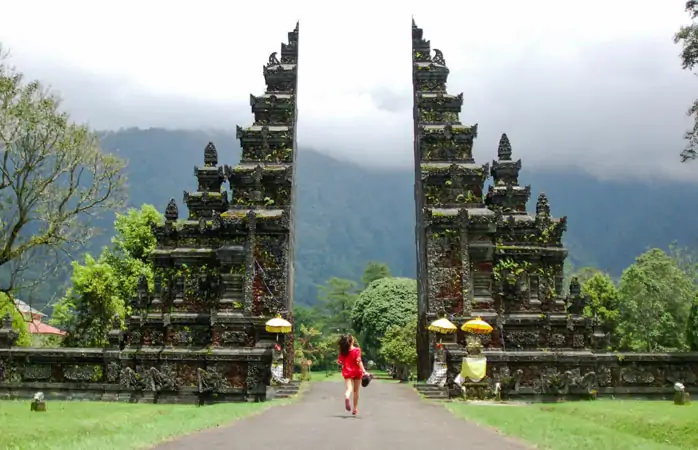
x=477, y=325
x=443, y=326
x=278, y=325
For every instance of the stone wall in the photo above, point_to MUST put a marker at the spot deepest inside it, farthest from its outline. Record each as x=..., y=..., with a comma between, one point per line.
x=152, y=375
x=544, y=375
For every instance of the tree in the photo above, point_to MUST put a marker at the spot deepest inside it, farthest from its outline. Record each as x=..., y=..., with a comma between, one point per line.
x=374, y=271
x=385, y=302
x=131, y=248
x=399, y=348
x=586, y=273
x=53, y=178
x=655, y=301
x=87, y=310
x=337, y=299
x=692, y=327
x=102, y=288
x=604, y=303
x=688, y=37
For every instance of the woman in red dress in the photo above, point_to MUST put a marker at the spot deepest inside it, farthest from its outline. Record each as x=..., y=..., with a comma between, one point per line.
x=352, y=370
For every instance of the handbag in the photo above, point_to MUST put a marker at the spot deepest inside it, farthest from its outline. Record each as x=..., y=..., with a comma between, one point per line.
x=365, y=379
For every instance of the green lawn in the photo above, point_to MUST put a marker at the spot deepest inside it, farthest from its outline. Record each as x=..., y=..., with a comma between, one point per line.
x=99, y=425
x=602, y=424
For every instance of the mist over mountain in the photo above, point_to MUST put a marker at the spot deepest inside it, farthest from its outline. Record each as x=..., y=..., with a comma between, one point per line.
x=348, y=215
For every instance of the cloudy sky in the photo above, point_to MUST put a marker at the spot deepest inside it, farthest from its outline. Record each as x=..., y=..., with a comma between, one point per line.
x=593, y=84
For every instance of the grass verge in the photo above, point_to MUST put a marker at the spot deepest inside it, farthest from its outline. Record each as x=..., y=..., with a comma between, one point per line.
x=99, y=425
x=602, y=424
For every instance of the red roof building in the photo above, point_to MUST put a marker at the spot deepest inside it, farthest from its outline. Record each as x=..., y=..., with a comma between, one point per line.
x=33, y=318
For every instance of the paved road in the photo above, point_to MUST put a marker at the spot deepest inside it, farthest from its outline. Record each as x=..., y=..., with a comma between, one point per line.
x=392, y=417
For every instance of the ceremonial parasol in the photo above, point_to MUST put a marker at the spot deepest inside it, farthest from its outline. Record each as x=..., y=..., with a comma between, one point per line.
x=477, y=326
x=443, y=326
x=278, y=325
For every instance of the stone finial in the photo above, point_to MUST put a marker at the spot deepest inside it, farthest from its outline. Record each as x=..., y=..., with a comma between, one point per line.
x=142, y=285
x=116, y=322
x=504, y=149
x=439, y=57
x=8, y=336
x=273, y=60
x=171, y=212
x=575, y=287
x=210, y=155
x=542, y=205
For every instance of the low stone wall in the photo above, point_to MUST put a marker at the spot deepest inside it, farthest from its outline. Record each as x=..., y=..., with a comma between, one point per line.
x=547, y=375
x=146, y=375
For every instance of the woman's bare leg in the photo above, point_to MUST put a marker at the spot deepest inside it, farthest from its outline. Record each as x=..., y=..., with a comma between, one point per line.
x=357, y=388
x=349, y=385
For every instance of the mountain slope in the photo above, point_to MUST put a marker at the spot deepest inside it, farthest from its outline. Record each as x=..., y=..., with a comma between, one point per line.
x=348, y=215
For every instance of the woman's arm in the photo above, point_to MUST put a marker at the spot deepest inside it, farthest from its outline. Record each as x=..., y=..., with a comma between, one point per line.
x=360, y=362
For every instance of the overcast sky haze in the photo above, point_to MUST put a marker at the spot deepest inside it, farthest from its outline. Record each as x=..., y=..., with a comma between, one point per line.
x=594, y=84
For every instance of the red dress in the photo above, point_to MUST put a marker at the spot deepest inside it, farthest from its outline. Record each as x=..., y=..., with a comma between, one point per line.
x=350, y=364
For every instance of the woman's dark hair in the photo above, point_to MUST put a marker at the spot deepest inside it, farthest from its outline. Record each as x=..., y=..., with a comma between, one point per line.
x=345, y=344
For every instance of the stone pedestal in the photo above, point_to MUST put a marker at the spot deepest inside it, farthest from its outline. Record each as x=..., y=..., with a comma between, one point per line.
x=682, y=398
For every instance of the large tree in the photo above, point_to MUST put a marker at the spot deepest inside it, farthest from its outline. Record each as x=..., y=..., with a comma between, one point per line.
x=53, y=178
x=655, y=302
x=336, y=300
x=374, y=271
x=101, y=288
x=688, y=37
x=399, y=348
x=604, y=303
x=386, y=302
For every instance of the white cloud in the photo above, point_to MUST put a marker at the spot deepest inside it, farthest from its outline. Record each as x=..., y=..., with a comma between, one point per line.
x=595, y=83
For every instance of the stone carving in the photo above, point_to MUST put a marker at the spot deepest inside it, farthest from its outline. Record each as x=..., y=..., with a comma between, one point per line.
x=523, y=339
x=113, y=372
x=130, y=379
x=683, y=374
x=36, y=372
x=162, y=380
x=235, y=338
x=254, y=377
x=211, y=381
x=172, y=212
x=633, y=375
x=82, y=373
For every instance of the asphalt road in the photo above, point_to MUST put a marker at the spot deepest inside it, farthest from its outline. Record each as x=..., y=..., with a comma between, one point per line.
x=392, y=416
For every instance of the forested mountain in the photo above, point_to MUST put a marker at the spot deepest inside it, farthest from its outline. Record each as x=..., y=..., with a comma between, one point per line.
x=348, y=215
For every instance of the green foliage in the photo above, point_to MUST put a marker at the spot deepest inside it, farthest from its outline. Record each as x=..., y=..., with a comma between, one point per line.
x=586, y=273
x=87, y=309
x=384, y=303
x=692, y=327
x=336, y=300
x=604, y=302
x=18, y=322
x=374, y=271
x=399, y=345
x=102, y=288
x=655, y=301
x=131, y=247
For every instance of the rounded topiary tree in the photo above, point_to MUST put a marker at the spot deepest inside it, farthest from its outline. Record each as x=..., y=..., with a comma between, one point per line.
x=384, y=303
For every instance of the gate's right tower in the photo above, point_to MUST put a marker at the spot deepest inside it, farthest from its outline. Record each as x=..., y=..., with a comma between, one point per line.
x=482, y=255
x=454, y=231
